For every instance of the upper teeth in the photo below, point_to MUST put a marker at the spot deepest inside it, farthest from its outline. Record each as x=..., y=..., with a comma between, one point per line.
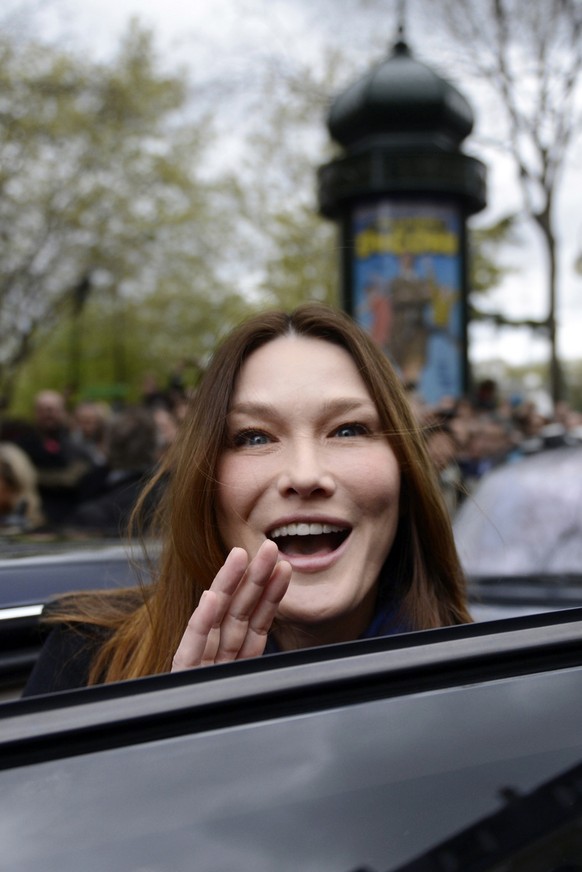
x=305, y=530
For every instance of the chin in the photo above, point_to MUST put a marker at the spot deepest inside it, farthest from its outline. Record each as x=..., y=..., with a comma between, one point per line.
x=317, y=610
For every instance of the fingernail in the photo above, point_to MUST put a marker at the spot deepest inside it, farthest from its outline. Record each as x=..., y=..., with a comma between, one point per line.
x=236, y=548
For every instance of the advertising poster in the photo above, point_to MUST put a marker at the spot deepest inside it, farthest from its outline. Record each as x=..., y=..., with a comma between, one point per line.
x=407, y=290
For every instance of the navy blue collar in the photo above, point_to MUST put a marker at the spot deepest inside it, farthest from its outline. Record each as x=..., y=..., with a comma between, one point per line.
x=384, y=623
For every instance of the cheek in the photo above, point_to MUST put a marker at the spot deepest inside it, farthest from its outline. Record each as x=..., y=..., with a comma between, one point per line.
x=376, y=483
x=238, y=488
x=227, y=489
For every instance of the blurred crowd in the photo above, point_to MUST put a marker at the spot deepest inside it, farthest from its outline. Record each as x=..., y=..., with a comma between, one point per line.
x=80, y=469
x=468, y=438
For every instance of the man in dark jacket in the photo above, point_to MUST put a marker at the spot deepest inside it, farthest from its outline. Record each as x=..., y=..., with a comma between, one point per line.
x=111, y=491
x=60, y=463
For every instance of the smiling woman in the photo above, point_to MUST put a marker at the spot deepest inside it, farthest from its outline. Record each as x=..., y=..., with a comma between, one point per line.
x=307, y=466
x=301, y=509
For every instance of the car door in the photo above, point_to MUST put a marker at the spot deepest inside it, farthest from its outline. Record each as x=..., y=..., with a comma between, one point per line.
x=358, y=756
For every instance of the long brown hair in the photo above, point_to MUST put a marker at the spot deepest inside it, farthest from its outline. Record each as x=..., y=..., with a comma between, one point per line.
x=422, y=571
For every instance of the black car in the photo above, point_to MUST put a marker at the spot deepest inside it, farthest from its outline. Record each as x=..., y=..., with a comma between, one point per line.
x=451, y=749
x=33, y=574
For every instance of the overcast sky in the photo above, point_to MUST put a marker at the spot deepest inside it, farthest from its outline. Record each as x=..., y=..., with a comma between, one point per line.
x=229, y=34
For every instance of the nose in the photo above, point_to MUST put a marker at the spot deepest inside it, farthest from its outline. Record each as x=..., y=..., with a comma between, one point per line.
x=304, y=472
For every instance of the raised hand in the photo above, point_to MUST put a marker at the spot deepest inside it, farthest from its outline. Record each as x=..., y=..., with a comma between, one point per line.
x=235, y=614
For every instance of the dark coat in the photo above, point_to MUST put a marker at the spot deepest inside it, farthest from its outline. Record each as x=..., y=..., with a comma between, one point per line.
x=67, y=654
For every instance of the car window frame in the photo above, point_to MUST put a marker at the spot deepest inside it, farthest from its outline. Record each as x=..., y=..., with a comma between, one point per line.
x=49, y=727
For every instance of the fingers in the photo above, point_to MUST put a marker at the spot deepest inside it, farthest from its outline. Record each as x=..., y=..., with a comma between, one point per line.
x=195, y=639
x=235, y=622
x=200, y=640
x=234, y=616
x=262, y=618
x=237, y=598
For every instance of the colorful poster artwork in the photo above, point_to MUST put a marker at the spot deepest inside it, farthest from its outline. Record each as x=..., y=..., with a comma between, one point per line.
x=407, y=290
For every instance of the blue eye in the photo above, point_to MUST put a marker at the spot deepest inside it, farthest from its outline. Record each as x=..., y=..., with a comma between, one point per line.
x=347, y=431
x=250, y=439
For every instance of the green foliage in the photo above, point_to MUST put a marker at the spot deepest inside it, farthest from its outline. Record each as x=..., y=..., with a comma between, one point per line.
x=304, y=264
x=104, y=351
x=118, y=257
x=296, y=251
x=486, y=269
x=99, y=194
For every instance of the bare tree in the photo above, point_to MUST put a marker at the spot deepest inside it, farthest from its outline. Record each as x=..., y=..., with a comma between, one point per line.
x=530, y=53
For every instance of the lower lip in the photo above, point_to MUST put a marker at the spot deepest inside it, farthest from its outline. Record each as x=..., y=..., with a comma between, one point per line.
x=315, y=562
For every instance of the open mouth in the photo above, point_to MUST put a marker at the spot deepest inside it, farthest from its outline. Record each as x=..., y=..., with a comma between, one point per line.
x=305, y=539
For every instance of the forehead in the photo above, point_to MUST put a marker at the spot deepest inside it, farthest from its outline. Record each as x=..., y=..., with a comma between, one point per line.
x=299, y=366
x=48, y=401
x=86, y=412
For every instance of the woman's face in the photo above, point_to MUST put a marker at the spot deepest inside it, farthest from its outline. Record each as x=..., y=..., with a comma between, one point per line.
x=306, y=466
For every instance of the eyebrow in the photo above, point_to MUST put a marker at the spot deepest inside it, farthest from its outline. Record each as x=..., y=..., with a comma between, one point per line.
x=340, y=406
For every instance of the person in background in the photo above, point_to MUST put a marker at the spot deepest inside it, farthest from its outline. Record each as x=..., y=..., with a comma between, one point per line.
x=132, y=451
x=443, y=450
x=60, y=463
x=491, y=443
x=89, y=429
x=487, y=395
x=153, y=396
x=20, y=502
x=166, y=428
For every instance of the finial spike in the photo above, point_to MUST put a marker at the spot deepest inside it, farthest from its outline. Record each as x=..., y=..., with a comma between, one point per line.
x=401, y=20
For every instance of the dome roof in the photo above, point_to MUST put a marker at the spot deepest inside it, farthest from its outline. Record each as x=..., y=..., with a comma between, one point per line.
x=401, y=102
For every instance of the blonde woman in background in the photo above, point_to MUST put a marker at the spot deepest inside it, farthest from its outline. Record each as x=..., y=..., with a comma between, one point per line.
x=20, y=502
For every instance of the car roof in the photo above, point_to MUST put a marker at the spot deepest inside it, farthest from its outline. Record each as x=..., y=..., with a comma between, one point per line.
x=33, y=578
x=524, y=518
